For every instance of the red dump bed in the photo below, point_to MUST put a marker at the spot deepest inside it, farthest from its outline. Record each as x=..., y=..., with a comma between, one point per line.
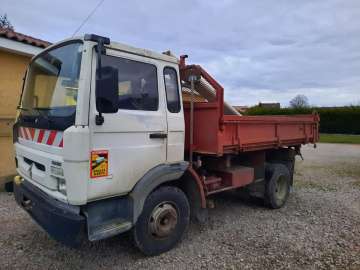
x=216, y=133
x=232, y=133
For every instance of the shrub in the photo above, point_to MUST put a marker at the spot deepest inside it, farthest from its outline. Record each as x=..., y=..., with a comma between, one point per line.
x=341, y=120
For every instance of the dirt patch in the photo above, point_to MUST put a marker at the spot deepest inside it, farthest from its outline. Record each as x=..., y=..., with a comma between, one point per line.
x=350, y=170
x=357, y=183
x=314, y=185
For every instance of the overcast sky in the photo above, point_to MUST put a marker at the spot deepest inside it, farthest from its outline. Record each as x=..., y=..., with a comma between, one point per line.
x=258, y=50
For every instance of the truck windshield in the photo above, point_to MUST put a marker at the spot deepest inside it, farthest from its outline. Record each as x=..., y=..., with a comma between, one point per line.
x=52, y=83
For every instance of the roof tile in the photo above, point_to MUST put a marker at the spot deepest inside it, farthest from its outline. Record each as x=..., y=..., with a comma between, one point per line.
x=9, y=34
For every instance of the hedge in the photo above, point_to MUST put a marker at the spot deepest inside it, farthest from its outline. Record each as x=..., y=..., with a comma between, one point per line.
x=340, y=120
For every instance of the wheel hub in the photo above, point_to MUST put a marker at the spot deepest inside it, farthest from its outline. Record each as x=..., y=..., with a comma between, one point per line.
x=163, y=220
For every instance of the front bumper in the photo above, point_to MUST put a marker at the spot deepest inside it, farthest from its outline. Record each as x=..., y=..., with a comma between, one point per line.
x=62, y=221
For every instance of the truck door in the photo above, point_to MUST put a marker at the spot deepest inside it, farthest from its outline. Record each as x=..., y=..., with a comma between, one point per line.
x=175, y=115
x=133, y=140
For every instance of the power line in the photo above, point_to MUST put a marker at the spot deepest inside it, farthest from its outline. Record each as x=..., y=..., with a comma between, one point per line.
x=88, y=17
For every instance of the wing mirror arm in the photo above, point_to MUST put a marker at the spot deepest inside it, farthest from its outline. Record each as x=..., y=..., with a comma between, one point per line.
x=100, y=49
x=107, y=96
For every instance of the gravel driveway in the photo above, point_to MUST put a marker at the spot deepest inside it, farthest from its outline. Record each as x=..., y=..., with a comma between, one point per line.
x=319, y=228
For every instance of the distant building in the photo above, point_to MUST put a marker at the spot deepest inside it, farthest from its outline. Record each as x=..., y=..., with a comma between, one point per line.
x=16, y=51
x=275, y=105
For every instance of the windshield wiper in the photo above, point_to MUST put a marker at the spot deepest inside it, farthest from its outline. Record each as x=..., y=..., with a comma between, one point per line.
x=41, y=112
x=22, y=108
x=42, y=109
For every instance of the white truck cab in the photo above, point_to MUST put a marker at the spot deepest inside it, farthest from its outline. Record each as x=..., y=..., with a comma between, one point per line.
x=100, y=124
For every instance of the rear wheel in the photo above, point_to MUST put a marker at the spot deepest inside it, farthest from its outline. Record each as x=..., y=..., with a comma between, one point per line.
x=277, y=187
x=163, y=221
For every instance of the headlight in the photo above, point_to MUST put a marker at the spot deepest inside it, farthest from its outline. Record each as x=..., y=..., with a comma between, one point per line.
x=62, y=185
x=57, y=171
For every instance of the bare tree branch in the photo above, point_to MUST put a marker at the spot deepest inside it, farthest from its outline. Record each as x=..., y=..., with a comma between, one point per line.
x=300, y=101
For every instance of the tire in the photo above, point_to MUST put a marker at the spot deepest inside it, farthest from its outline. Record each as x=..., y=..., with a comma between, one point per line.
x=277, y=186
x=163, y=221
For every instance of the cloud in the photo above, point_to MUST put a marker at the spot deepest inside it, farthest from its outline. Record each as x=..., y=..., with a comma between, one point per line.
x=259, y=50
x=282, y=42
x=316, y=96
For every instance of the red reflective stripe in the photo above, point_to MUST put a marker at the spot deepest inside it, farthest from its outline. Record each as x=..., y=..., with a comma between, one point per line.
x=25, y=133
x=51, y=137
x=32, y=132
x=61, y=143
x=41, y=135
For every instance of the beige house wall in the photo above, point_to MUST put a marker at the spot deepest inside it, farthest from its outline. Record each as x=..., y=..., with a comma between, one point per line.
x=12, y=69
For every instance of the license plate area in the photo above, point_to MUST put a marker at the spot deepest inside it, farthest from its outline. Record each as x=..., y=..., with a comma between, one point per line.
x=35, y=165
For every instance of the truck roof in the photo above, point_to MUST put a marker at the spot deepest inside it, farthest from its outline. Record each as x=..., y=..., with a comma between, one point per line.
x=142, y=52
x=125, y=48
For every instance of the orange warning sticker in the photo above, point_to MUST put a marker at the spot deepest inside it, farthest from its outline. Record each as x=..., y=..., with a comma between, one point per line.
x=99, y=163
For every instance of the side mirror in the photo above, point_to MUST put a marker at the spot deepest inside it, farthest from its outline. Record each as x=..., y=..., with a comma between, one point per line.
x=107, y=93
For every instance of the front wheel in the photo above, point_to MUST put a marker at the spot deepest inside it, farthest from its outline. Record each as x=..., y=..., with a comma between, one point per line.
x=277, y=186
x=163, y=221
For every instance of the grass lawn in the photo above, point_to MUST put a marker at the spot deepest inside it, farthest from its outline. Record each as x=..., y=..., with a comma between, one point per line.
x=340, y=138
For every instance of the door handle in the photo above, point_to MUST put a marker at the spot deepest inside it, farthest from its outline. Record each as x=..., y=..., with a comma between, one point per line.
x=158, y=135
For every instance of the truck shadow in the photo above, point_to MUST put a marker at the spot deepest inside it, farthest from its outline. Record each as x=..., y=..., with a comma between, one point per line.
x=120, y=250
x=238, y=198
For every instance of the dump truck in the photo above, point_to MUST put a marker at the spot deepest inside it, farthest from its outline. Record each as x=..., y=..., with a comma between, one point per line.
x=104, y=144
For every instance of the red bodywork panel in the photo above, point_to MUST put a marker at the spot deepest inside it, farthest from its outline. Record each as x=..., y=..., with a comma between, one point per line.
x=215, y=133
x=246, y=133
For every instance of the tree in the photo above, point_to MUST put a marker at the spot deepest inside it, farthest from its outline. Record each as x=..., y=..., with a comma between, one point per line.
x=5, y=23
x=300, y=101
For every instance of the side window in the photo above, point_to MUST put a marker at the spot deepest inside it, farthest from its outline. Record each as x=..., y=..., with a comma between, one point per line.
x=172, y=90
x=138, y=85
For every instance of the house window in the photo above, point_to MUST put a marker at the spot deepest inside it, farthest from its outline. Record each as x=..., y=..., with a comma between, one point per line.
x=172, y=90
